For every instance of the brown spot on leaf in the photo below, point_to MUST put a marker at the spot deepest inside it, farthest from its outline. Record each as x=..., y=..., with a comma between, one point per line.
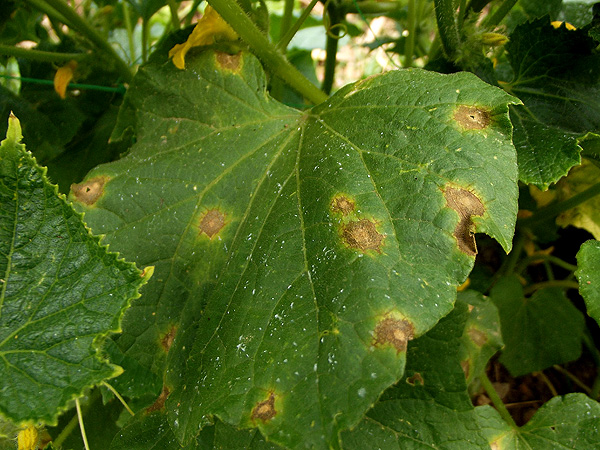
x=265, y=410
x=229, y=62
x=212, y=222
x=160, y=401
x=167, y=340
x=89, y=191
x=477, y=336
x=466, y=204
x=472, y=117
x=394, y=332
x=362, y=235
x=466, y=367
x=342, y=204
x=416, y=378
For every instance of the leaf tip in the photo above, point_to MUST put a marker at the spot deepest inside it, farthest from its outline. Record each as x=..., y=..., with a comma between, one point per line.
x=14, y=133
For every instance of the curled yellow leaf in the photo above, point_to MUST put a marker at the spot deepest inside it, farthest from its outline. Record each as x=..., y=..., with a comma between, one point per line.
x=63, y=77
x=209, y=29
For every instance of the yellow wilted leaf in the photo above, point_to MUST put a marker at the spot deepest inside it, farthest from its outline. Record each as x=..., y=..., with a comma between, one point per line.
x=209, y=29
x=63, y=77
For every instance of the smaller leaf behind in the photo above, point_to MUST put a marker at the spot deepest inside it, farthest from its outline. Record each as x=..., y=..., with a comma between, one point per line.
x=61, y=292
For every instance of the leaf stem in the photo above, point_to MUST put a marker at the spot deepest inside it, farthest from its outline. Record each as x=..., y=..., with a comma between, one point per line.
x=370, y=7
x=547, y=382
x=573, y=378
x=496, y=400
x=92, y=35
x=279, y=65
x=409, y=45
x=286, y=19
x=129, y=28
x=555, y=209
x=174, y=15
x=145, y=39
x=550, y=258
x=291, y=32
x=68, y=429
x=81, y=426
x=500, y=13
x=39, y=55
x=121, y=399
x=447, y=29
x=566, y=284
x=331, y=47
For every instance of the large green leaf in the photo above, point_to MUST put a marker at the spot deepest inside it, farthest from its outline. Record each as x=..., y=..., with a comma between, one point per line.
x=588, y=274
x=557, y=76
x=564, y=422
x=547, y=316
x=430, y=407
x=310, y=247
x=60, y=292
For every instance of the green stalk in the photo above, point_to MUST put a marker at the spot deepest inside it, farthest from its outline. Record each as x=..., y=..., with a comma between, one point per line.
x=496, y=400
x=39, y=55
x=92, y=87
x=92, y=35
x=409, y=45
x=291, y=32
x=462, y=12
x=447, y=30
x=549, y=258
x=129, y=29
x=566, y=284
x=50, y=12
x=174, y=16
x=286, y=19
x=258, y=42
x=554, y=210
x=370, y=7
x=145, y=39
x=331, y=48
x=500, y=13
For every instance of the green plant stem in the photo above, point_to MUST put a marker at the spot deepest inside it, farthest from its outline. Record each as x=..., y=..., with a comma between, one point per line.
x=129, y=28
x=145, y=36
x=462, y=12
x=331, y=48
x=547, y=382
x=119, y=397
x=542, y=257
x=447, y=29
x=241, y=23
x=81, y=426
x=291, y=32
x=500, y=13
x=69, y=427
x=409, y=45
x=554, y=210
x=174, y=16
x=566, y=284
x=286, y=19
x=53, y=14
x=39, y=55
x=496, y=400
x=370, y=7
x=573, y=378
x=92, y=87
x=92, y=35
x=513, y=257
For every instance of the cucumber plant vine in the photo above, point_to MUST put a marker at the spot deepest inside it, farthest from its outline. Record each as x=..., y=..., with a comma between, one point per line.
x=214, y=237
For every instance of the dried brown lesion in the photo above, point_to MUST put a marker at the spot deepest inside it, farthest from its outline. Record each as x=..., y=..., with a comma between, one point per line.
x=342, y=204
x=167, y=339
x=229, y=62
x=394, y=332
x=212, y=222
x=472, y=117
x=265, y=410
x=160, y=401
x=90, y=191
x=362, y=235
x=466, y=204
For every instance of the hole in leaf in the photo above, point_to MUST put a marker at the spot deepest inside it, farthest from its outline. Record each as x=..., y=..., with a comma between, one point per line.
x=393, y=332
x=343, y=205
x=472, y=118
x=89, y=191
x=466, y=204
x=160, y=401
x=265, y=410
x=212, y=222
x=362, y=235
